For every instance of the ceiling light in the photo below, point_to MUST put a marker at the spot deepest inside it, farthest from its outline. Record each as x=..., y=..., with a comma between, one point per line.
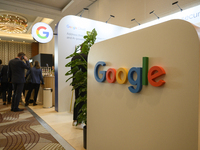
x=152, y=12
x=12, y=23
x=110, y=17
x=83, y=11
x=47, y=20
x=135, y=21
x=177, y=5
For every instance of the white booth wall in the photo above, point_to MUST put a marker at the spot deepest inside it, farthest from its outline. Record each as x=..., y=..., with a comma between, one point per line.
x=71, y=30
x=70, y=33
x=156, y=118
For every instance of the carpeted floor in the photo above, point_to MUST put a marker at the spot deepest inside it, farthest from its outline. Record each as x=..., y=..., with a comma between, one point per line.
x=21, y=131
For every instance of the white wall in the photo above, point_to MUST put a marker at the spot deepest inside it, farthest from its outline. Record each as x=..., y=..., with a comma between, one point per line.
x=71, y=30
x=157, y=118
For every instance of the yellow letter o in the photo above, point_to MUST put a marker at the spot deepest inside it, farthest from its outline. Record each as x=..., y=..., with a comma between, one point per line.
x=118, y=75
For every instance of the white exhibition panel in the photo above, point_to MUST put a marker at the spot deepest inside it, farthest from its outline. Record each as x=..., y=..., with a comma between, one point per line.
x=156, y=118
x=191, y=15
x=71, y=30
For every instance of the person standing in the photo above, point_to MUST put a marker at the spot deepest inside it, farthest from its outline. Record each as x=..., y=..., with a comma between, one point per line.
x=0, y=75
x=16, y=68
x=27, y=81
x=1, y=65
x=36, y=77
x=6, y=86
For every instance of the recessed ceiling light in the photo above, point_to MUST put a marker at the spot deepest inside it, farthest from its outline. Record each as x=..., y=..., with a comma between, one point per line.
x=47, y=20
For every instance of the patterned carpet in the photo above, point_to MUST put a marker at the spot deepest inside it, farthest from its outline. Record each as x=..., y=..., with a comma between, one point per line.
x=21, y=131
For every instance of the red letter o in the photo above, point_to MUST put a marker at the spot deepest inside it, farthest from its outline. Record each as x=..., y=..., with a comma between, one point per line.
x=108, y=74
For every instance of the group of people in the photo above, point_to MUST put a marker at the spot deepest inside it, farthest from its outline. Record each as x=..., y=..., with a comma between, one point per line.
x=5, y=85
x=13, y=78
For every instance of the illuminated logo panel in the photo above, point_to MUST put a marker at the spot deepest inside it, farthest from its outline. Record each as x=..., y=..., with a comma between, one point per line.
x=42, y=32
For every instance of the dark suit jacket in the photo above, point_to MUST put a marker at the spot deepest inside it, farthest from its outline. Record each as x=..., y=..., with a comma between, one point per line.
x=16, y=70
x=36, y=75
x=4, y=74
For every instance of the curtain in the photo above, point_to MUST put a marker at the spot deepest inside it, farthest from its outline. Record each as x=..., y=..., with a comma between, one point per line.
x=9, y=50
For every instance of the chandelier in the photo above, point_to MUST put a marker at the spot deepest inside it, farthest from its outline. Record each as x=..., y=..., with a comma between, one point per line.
x=12, y=23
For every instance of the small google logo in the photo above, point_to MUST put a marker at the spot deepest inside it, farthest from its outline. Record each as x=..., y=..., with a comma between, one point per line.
x=46, y=34
x=42, y=32
x=68, y=26
x=75, y=28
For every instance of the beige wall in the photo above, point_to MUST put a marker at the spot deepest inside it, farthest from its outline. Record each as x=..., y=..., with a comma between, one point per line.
x=126, y=10
x=47, y=48
x=157, y=118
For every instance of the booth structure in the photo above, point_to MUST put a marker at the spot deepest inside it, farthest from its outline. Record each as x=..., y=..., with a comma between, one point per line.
x=70, y=33
x=143, y=83
x=155, y=117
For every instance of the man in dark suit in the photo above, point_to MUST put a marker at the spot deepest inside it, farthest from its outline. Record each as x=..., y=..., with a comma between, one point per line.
x=6, y=86
x=0, y=77
x=16, y=73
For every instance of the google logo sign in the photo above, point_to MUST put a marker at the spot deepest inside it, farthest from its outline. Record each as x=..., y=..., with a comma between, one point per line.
x=122, y=75
x=42, y=32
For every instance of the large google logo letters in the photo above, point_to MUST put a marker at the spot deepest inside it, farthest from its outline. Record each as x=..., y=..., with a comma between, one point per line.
x=143, y=75
x=42, y=32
